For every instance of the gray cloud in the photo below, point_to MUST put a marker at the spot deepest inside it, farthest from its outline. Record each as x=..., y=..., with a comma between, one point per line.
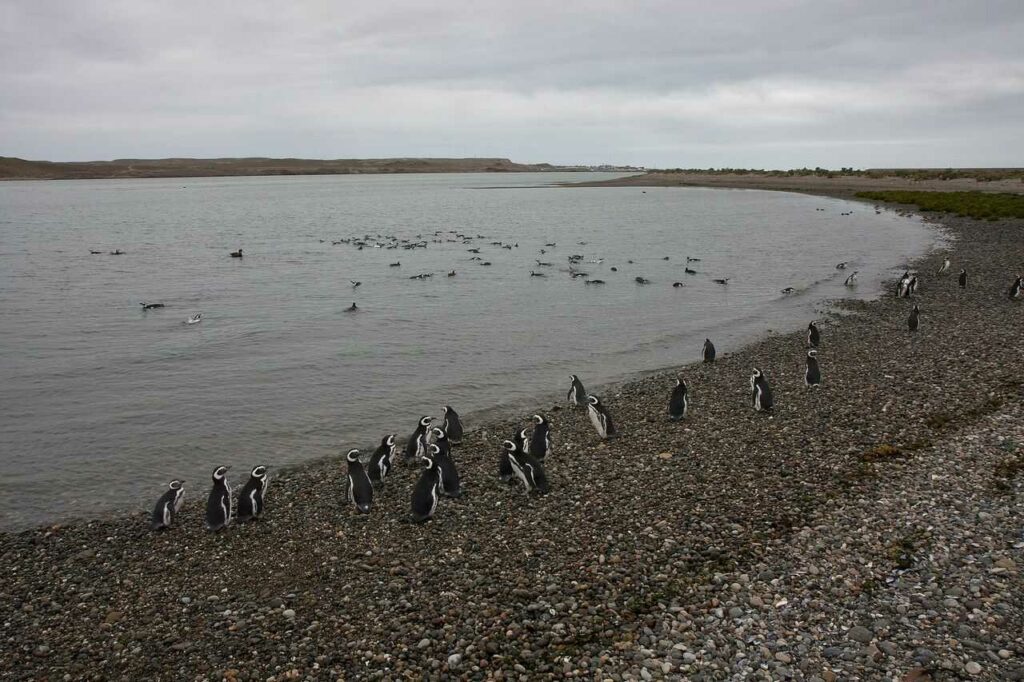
x=782, y=84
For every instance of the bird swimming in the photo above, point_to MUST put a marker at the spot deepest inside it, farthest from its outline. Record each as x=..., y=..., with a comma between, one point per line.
x=676, y=285
x=689, y=271
x=194, y=319
x=352, y=308
x=789, y=290
x=151, y=306
x=851, y=280
x=236, y=254
x=723, y=280
x=355, y=283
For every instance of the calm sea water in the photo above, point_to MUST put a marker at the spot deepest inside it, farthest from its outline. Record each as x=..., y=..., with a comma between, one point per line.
x=102, y=403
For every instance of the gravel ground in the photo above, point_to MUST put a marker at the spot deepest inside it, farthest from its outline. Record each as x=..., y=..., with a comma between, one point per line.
x=866, y=530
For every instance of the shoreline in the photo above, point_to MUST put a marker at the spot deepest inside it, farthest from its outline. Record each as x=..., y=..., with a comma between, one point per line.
x=648, y=547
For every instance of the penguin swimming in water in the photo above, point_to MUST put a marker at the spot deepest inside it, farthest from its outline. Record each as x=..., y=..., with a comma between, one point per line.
x=813, y=335
x=359, y=491
x=382, y=460
x=962, y=278
x=415, y=447
x=577, y=394
x=352, y=308
x=540, y=439
x=944, y=267
x=151, y=306
x=1016, y=288
x=527, y=468
x=914, y=321
x=789, y=290
x=168, y=505
x=194, y=319
x=812, y=377
x=218, y=504
x=441, y=452
x=851, y=280
x=424, y=494
x=678, y=403
x=841, y=266
x=452, y=425
x=708, y=352
x=251, y=502
x=600, y=418
x=760, y=391
x=236, y=254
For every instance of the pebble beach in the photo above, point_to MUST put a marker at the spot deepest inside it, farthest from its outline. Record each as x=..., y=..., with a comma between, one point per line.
x=868, y=529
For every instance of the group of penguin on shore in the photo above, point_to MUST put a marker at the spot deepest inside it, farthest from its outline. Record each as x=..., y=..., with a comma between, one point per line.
x=521, y=459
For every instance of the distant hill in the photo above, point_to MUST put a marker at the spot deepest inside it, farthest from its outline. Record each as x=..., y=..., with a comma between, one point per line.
x=20, y=169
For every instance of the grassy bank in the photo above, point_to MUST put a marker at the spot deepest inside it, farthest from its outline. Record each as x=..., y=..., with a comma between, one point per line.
x=979, y=205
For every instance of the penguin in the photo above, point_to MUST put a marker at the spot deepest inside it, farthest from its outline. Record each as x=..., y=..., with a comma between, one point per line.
x=424, y=494
x=508, y=447
x=168, y=505
x=355, y=283
x=600, y=418
x=789, y=290
x=902, y=287
x=944, y=267
x=912, y=286
x=708, y=353
x=540, y=439
x=448, y=475
x=962, y=278
x=812, y=377
x=236, y=254
x=914, y=321
x=578, y=394
x=360, y=490
x=416, y=445
x=851, y=280
x=151, y=306
x=194, y=319
x=689, y=271
x=452, y=425
x=352, y=308
x=841, y=266
x=678, y=403
x=218, y=504
x=382, y=460
x=813, y=335
x=251, y=503
x=722, y=280
x=528, y=469
x=677, y=285
x=760, y=391
x=1015, y=288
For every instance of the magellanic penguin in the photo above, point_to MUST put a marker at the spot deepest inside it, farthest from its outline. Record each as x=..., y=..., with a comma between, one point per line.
x=760, y=391
x=812, y=377
x=424, y=494
x=382, y=460
x=600, y=418
x=415, y=447
x=218, y=505
x=914, y=321
x=251, y=501
x=813, y=335
x=1016, y=288
x=962, y=279
x=678, y=403
x=944, y=267
x=903, y=286
x=540, y=439
x=577, y=394
x=851, y=280
x=708, y=353
x=912, y=286
x=168, y=505
x=359, y=490
x=452, y=425
x=527, y=468
x=505, y=471
x=441, y=452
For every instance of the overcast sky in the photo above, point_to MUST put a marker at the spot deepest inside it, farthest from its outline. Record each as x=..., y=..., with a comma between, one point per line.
x=750, y=83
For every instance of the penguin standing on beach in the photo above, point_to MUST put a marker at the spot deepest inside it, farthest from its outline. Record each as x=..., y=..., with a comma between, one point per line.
x=600, y=418
x=168, y=505
x=527, y=468
x=1016, y=288
x=359, y=490
x=382, y=460
x=218, y=504
x=944, y=267
x=708, y=352
x=251, y=499
x=415, y=447
x=962, y=279
x=903, y=286
x=678, y=403
x=441, y=452
x=505, y=470
x=812, y=377
x=540, y=439
x=912, y=286
x=813, y=335
x=577, y=394
x=424, y=494
x=452, y=425
x=760, y=391
x=914, y=321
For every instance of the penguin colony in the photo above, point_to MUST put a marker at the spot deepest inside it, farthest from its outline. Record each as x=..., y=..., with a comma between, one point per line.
x=522, y=457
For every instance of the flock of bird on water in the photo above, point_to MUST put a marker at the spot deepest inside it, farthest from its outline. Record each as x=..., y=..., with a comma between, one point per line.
x=522, y=457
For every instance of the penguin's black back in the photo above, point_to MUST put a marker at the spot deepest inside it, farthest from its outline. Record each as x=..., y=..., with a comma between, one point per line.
x=424, y=495
x=767, y=400
x=709, y=351
x=539, y=440
x=448, y=473
x=538, y=479
x=677, y=402
x=360, y=488
x=813, y=374
x=452, y=426
x=250, y=499
x=218, y=506
x=166, y=502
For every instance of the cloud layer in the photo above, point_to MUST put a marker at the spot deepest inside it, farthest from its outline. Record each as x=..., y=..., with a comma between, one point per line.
x=691, y=84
